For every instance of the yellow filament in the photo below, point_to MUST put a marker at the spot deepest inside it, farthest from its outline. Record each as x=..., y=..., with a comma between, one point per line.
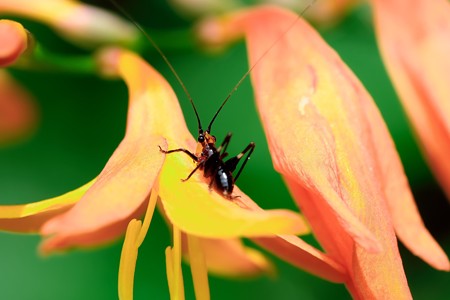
x=136, y=232
x=198, y=268
x=173, y=267
x=148, y=215
x=128, y=260
x=169, y=272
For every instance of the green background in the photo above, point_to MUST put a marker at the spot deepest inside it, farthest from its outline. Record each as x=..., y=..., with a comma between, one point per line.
x=83, y=119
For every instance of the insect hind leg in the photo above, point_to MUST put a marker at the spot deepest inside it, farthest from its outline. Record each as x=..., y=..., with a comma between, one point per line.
x=232, y=163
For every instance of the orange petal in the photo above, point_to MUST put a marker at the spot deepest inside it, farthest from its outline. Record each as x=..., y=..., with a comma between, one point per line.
x=300, y=254
x=28, y=218
x=314, y=111
x=119, y=192
x=414, y=39
x=84, y=24
x=18, y=111
x=13, y=41
x=125, y=183
x=295, y=251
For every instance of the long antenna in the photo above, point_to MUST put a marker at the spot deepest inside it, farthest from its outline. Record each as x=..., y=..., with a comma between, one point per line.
x=149, y=38
x=257, y=61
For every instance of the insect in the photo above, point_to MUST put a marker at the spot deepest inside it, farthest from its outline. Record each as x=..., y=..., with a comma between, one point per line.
x=208, y=157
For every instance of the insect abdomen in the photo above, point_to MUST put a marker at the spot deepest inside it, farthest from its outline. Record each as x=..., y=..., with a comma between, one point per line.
x=223, y=181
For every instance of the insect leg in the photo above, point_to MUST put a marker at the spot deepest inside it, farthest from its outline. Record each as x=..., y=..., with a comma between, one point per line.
x=232, y=162
x=191, y=155
x=193, y=171
x=224, y=145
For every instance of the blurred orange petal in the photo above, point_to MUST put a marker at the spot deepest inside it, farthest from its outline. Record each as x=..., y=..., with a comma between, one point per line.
x=322, y=12
x=414, y=39
x=18, y=111
x=319, y=123
x=230, y=258
x=13, y=41
x=84, y=24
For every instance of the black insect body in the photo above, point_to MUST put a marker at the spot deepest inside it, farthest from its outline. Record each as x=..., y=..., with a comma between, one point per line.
x=209, y=159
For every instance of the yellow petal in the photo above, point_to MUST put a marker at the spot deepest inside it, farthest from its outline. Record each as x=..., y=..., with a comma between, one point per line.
x=28, y=218
x=198, y=211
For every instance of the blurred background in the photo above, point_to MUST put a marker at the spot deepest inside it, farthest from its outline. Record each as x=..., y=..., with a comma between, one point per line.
x=82, y=120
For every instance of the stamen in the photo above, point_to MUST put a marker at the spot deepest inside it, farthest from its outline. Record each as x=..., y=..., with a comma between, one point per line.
x=136, y=232
x=198, y=268
x=173, y=267
x=128, y=260
x=148, y=214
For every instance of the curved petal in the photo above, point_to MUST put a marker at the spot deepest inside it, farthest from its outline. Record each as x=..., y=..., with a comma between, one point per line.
x=196, y=210
x=302, y=255
x=125, y=183
x=28, y=218
x=122, y=186
x=316, y=117
x=297, y=252
x=13, y=41
x=19, y=114
x=414, y=40
x=84, y=24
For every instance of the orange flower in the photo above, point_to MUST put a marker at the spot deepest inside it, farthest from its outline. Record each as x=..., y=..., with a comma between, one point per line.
x=414, y=38
x=83, y=24
x=328, y=140
x=14, y=40
x=18, y=113
x=136, y=174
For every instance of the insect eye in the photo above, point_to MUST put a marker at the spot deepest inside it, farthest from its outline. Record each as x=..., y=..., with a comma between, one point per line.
x=201, y=139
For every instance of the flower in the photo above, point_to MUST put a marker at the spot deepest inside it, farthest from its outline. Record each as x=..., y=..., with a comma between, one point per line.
x=136, y=174
x=18, y=113
x=82, y=24
x=14, y=41
x=330, y=144
x=413, y=37
x=323, y=12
